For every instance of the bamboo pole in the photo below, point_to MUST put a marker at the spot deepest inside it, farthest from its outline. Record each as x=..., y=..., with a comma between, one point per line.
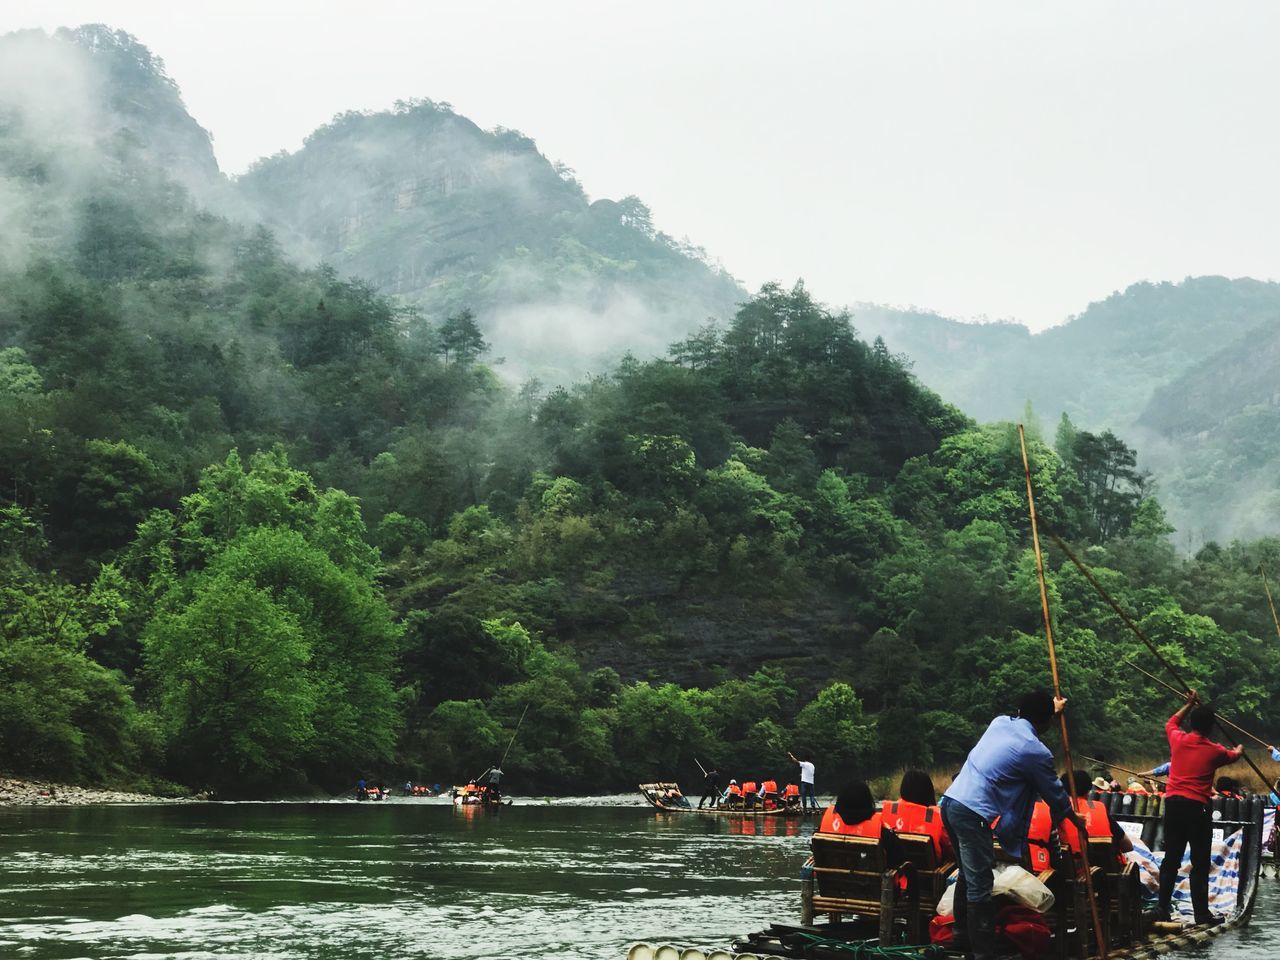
x=1137, y=631
x=1270, y=602
x=1057, y=692
x=512, y=741
x=1116, y=766
x=1221, y=719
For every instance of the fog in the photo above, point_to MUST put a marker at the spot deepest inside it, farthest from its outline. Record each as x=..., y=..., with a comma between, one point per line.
x=996, y=159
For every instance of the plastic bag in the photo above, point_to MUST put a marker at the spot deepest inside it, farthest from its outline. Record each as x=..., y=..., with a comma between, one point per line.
x=1016, y=882
x=948, y=901
x=1011, y=880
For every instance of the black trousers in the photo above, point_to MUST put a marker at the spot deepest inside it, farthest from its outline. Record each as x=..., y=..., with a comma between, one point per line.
x=1187, y=823
x=710, y=791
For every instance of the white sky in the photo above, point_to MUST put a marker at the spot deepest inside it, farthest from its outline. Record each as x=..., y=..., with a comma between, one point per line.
x=1009, y=159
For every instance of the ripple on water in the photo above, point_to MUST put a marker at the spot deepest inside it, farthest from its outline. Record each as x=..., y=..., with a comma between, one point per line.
x=330, y=882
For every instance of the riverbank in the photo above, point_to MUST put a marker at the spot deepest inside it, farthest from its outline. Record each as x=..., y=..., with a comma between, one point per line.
x=22, y=792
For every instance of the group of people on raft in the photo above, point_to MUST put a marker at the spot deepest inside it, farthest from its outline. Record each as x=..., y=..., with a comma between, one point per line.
x=994, y=797
x=369, y=791
x=762, y=794
x=485, y=789
x=412, y=789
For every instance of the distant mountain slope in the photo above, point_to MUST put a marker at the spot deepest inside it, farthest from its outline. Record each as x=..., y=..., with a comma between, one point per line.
x=428, y=207
x=87, y=117
x=1184, y=371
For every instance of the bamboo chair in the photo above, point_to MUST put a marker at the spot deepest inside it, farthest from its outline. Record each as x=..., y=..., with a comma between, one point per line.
x=1123, y=890
x=926, y=884
x=852, y=876
x=1073, y=920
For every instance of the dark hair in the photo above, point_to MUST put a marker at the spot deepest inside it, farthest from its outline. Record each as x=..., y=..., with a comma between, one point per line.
x=1227, y=785
x=1200, y=719
x=854, y=803
x=1037, y=707
x=917, y=787
x=1083, y=783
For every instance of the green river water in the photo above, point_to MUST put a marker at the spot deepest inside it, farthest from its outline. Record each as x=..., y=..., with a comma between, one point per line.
x=407, y=878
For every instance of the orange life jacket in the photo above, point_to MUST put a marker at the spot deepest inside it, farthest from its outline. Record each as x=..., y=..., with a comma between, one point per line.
x=791, y=790
x=770, y=786
x=871, y=827
x=1038, y=834
x=749, y=786
x=735, y=790
x=902, y=816
x=1096, y=824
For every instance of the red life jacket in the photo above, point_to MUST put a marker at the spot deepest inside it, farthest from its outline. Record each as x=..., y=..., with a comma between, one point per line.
x=1096, y=824
x=791, y=790
x=1038, y=834
x=871, y=827
x=749, y=786
x=902, y=816
x=735, y=790
x=770, y=786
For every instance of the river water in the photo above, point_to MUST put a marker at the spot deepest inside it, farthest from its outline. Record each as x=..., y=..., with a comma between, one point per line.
x=408, y=878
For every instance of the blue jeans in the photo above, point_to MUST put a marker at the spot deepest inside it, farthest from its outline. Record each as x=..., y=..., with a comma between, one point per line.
x=974, y=844
x=806, y=793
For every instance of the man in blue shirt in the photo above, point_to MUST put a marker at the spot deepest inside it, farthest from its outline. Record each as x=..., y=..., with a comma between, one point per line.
x=993, y=797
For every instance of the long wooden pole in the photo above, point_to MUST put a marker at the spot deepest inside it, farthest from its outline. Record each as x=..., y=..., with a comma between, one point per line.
x=1116, y=766
x=1057, y=692
x=1137, y=631
x=1270, y=602
x=513, y=736
x=1221, y=719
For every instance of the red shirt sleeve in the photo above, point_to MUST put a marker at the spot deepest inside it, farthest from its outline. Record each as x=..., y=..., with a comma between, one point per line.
x=1227, y=756
x=1173, y=729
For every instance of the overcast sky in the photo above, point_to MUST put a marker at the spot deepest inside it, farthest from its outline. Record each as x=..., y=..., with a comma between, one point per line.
x=1002, y=159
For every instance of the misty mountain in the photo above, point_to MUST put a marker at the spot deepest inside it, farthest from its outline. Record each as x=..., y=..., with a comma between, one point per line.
x=418, y=201
x=90, y=120
x=1184, y=371
x=446, y=216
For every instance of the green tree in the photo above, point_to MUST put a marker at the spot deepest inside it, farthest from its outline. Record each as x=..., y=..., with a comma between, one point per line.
x=460, y=338
x=230, y=679
x=832, y=725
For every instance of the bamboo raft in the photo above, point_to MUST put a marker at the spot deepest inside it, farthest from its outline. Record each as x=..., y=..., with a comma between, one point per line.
x=877, y=919
x=654, y=794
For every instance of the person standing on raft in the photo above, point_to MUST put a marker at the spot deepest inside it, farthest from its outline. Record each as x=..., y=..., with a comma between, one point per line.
x=993, y=796
x=807, y=797
x=1188, y=816
x=710, y=788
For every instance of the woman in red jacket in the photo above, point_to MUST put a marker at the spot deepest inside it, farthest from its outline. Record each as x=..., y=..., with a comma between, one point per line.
x=1188, y=817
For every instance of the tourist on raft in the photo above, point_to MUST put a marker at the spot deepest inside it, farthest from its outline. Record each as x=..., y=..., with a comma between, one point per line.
x=1188, y=816
x=1098, y=821
x=710, y=788
x=732, y=794
x=916, y=809
x=855, y=814
x=807, y=797
x=997, y=785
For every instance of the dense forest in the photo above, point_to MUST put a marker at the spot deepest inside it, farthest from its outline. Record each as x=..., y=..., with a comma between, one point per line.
x=1183, y=371
x=264, y=528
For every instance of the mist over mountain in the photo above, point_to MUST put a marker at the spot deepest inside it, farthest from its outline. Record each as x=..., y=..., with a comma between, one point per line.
x=88, y=118
x=1185, y=372
x=443, y=215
